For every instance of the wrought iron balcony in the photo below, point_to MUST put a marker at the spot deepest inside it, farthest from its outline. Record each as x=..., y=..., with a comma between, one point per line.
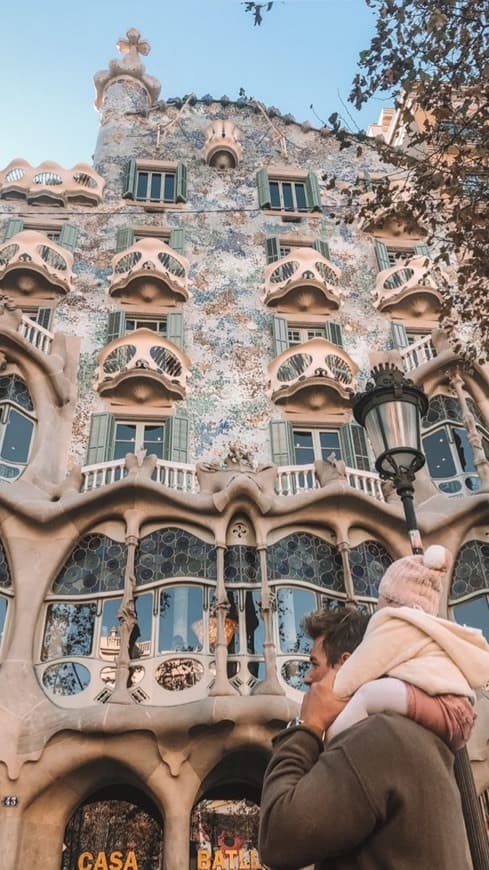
x=315, y=375
x=33, y=265
x=142, y=368
x=411, y=286
x=303, y=281
x=149, y=271
x=50, y=183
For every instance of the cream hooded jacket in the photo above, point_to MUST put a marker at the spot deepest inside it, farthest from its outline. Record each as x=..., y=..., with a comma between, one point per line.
x=438, y=656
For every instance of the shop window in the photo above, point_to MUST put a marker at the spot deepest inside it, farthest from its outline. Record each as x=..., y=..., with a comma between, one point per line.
x=154, y=182
x=224, y=834
x=17, y=423
x=447, y=448
x=301, y=194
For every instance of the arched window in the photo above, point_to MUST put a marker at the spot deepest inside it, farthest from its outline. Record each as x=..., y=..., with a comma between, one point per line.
x=446, y=445
x=17, y=421
x=469, y=593
x=5, y=593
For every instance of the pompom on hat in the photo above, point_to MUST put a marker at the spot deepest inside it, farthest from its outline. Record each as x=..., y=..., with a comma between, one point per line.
x=416, y=581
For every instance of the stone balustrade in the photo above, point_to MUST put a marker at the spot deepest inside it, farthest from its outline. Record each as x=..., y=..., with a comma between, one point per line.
x=302, y=281
x=49, y=183
x=36, y=334
x=151, y=271
x=412, y=277
x=416, y=354
x=36, y=261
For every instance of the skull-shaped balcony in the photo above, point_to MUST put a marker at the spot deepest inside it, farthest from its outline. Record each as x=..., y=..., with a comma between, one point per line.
x=33, y=266
x=316, y=376
x=410, y=289
x=142, y=369
x=303, y=281
x=222, y=148
x=149, y=272
x=50, y=184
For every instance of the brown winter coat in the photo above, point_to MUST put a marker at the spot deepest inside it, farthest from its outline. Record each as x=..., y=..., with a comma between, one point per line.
x=380, y=796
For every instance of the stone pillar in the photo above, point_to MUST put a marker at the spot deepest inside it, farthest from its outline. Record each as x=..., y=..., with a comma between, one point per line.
x=270, y=685
x=221, y=685
x=480, y=461
x=127, y=617
x=344, y=548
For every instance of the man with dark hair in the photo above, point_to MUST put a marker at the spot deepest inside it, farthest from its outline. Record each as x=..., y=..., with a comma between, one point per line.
x=380, y=795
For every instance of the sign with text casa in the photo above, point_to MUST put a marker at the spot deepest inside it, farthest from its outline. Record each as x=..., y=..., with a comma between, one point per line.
x=228, y=859
x=107, y=861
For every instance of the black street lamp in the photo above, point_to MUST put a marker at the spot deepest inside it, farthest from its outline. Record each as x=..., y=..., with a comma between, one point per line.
x=391, y=409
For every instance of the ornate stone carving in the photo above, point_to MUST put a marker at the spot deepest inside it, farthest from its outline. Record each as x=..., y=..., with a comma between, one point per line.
x=128, y=66
x=330, y=470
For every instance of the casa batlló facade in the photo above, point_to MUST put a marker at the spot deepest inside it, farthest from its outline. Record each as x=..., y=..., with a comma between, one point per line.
x=182, y=325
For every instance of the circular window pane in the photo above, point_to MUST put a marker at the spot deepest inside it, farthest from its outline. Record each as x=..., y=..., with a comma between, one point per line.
x=67, y=678
x=293, y=672
x=175, y=675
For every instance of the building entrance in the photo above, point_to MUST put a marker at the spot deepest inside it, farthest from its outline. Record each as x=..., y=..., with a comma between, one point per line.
x=117, y=828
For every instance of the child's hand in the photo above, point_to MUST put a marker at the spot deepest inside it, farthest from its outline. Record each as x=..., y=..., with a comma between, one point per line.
x=321, y=706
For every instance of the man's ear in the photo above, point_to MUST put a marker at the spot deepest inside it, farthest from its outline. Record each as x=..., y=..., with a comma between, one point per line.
x=344, y=656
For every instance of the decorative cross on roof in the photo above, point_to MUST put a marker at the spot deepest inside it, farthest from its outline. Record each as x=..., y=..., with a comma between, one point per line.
x=133, y=43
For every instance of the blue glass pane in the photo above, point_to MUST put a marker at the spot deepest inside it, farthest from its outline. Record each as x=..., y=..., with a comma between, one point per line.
x=287, y=196
x=181, y=619
x=3, y=616
x=97, y=564
x=242, y=565
x=142, y=185
x=474, y=613
x=174, y=552
x=471, y=571
x=255, y=628
x=300, y=195
x=67, y=678
x=68, y=630
x=302, y=556
x=5, y=581
x=303, y=448
x=17, y=438
x=274, y=194
x=169, y=194
x=155, y=185
x=438, y=454
x=464, y=450
x=368, y=563
x=110, y=638
x=144, y=610
x=292, y=607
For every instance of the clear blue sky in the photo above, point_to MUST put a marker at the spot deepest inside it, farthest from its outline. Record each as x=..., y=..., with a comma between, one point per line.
x=305, y=52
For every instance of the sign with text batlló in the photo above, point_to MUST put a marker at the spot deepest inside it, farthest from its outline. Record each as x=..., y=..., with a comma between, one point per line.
x=228, y=859
x=107, y=861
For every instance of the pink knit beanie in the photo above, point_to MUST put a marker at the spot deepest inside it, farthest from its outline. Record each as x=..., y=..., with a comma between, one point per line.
x=416, y=581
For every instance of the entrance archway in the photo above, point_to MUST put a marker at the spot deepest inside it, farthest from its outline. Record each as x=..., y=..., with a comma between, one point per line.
x=116, y=828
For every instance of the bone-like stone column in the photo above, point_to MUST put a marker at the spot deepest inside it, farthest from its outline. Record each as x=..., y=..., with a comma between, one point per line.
x=270, y=685
x=221, y=685
x=480, y=461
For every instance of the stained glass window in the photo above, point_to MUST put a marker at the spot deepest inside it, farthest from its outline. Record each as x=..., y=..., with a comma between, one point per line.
x=13, y=389
x=242, y=565
x=69, y=630
x=471, y=572
x=5, y=581
x=368, y=563
x=174, y=553
x=302, y=556
x=96, y=564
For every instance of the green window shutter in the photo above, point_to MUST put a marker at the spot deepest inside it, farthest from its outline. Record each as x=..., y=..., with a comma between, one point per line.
x=334, y=332
x=382, y=255
x=358, y=438
x=174, y=328
x=322, y=248
x=181, y=183
x=177, y=240
x=273, y=249
x=124, y=238
x=399, y=335
x=280, y=336
x=176, y=437
x=68, y=237
x=263, y=184
x=14, y=226
x=422, y=250
x=282, y=442
x=313, y=193
x=129, y=180
x=346, y=445
x=101, y=438
x=44, y=317
x=116, y=326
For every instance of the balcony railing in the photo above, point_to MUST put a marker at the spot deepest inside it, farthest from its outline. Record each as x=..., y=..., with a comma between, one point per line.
x=50, y=182
x=413, y=276
x=149, y=268
x=416, y=354
x=30, y=251
x=182, y=477
x=304, y=279
x=35, y=334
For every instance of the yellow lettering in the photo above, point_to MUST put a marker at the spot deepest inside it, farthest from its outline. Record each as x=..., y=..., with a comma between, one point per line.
x=116, y=861
x=243, y=864
x=203, y=859
x=82, y=865
x=131, y=863
x=254, y=860
x=101, y=862
x=218, y=863
x=231, y=853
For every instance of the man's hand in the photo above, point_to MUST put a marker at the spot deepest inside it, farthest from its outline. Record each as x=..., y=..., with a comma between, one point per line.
x=321, y=706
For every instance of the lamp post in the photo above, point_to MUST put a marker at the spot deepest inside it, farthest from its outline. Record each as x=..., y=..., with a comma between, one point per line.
x=391, y=409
